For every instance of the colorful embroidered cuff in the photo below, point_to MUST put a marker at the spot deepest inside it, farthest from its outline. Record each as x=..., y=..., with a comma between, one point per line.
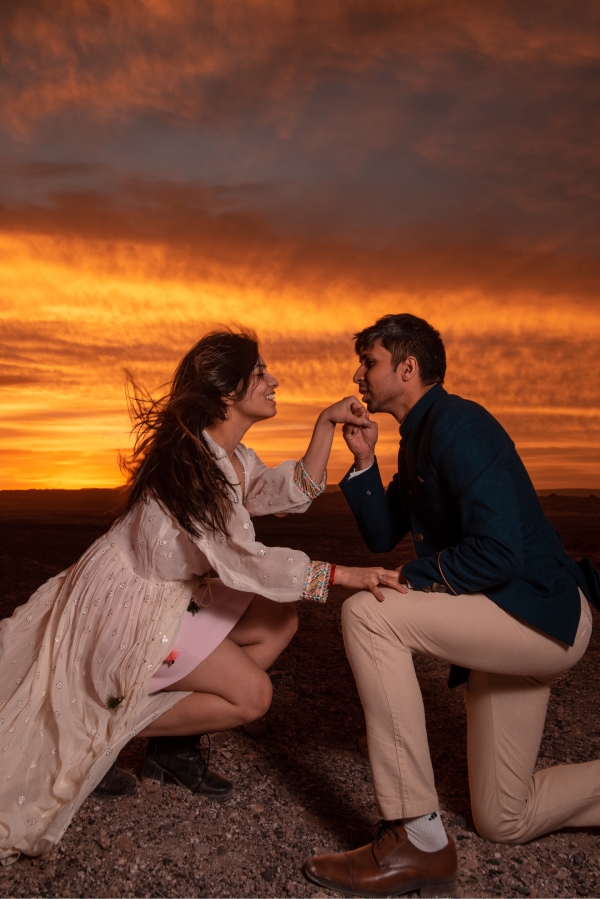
x=316, y=585
x=308, y=485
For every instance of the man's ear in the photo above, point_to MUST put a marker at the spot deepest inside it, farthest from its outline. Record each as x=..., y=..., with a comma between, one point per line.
x=409, y=369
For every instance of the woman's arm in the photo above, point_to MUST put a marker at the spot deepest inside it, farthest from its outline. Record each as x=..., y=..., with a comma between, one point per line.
x=347, y=411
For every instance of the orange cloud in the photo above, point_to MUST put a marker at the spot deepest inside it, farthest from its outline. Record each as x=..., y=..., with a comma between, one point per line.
x=302, y=169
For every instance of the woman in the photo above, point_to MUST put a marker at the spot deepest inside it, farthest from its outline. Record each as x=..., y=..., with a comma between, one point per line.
x=134, y=639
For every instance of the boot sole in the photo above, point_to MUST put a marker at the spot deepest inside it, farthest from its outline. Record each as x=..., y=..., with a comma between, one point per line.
x=154, y=771
x=427, y=890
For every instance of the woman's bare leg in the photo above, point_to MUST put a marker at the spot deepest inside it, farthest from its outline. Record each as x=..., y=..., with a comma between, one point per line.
x=226, y=689
x=230, y=687
x=265, y=629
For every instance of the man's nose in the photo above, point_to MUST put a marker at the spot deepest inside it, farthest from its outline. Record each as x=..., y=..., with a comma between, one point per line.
x=357, y=374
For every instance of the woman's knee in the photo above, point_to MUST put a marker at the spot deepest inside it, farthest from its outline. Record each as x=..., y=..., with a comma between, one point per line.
x=256, y=699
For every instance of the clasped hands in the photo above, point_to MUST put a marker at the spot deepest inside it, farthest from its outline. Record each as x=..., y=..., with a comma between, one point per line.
x=360, y=434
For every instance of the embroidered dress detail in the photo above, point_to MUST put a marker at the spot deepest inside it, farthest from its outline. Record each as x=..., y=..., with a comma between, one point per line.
x=316, y=585
x=306, y=483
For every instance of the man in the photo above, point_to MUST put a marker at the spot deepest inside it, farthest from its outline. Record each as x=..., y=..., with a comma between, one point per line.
x=492, y=590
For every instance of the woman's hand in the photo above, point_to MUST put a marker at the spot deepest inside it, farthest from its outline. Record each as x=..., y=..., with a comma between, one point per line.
x=370, y=579
x=350, y=410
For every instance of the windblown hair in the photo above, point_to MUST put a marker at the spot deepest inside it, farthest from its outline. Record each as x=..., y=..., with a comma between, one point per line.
x=406, y=335
x=171, y=460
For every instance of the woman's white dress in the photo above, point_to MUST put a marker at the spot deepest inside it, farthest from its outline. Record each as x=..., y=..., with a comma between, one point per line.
x=77, y=659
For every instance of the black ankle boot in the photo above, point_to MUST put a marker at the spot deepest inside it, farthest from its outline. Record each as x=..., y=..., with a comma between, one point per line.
x=182, y=759
x=116, y=783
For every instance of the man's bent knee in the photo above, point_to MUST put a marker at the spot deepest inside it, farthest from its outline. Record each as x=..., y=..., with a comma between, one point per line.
x=495, y=828
x=355, y=609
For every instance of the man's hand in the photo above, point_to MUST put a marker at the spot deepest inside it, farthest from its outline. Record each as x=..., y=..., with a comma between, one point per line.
x=361, y=440
x=369, y=579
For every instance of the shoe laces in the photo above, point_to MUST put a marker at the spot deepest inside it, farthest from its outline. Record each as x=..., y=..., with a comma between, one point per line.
x=383, y=830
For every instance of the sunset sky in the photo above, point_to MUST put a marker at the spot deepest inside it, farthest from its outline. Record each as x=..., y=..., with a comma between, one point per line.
x=303, y=168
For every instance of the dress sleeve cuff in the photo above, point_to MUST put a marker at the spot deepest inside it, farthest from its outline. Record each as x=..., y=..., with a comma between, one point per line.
x=306, y=483
x=316, y=584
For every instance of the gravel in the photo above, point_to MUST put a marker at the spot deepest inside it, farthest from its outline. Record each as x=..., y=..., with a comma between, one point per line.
x=301, y=773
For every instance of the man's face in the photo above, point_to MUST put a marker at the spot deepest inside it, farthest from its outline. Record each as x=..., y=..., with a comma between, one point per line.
x=379, y=384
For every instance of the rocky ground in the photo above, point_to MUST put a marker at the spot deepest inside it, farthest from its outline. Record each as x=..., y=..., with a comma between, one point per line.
x=302, y=777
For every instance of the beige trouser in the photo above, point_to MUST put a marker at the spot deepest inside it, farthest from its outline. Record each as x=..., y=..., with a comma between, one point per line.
x=513, y=667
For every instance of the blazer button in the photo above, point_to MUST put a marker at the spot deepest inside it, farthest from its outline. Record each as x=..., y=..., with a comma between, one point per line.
x=418, y=538
x=439, y=588
x=426, y=589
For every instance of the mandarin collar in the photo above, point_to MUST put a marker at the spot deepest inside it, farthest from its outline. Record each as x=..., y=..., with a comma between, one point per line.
x=420, y=408
x=217, y=451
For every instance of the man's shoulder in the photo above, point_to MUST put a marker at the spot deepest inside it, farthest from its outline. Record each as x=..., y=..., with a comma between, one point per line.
x=454, y=415
x=450, y=405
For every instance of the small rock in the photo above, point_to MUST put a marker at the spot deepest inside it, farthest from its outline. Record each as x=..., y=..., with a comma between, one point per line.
x=124, y=844
x=50, y=872
x=369, y=777
x=522, y=891
x=149, y=785
x=269, y=874
x=103, y=840
x=221, y=850
x=263, y=767
x=165, y=827
x=62, y=866
x=218, y=739
x=72, y=871
x=284, y=794
x=200, y=848
x=578, y=860
x=458, y=821
x=257, y=808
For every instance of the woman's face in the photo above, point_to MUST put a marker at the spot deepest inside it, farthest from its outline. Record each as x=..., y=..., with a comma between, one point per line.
x=259, y=402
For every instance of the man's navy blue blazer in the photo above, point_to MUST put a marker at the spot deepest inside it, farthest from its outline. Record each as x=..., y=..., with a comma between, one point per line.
x=477, y=524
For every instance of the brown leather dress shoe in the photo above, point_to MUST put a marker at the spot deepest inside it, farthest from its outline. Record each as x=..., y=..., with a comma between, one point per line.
x=389, y=866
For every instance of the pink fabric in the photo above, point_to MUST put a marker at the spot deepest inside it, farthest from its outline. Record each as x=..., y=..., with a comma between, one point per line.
x=221, y=608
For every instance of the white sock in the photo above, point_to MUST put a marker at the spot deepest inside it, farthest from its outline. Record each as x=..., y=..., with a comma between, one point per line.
x=427, y=832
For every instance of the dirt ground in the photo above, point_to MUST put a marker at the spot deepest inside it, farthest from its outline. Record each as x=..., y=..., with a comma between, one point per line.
x=301, y=773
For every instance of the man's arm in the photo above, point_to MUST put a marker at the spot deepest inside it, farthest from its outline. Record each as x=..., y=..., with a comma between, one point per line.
x=471, y=456
x=378, y=512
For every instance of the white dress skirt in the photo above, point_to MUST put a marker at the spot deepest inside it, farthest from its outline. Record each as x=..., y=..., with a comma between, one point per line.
x=82, y=663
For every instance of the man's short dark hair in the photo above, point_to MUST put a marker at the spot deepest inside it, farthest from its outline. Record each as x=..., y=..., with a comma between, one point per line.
x=407, y=335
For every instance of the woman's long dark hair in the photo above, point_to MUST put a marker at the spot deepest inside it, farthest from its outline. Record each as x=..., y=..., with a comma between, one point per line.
x=171, y=460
